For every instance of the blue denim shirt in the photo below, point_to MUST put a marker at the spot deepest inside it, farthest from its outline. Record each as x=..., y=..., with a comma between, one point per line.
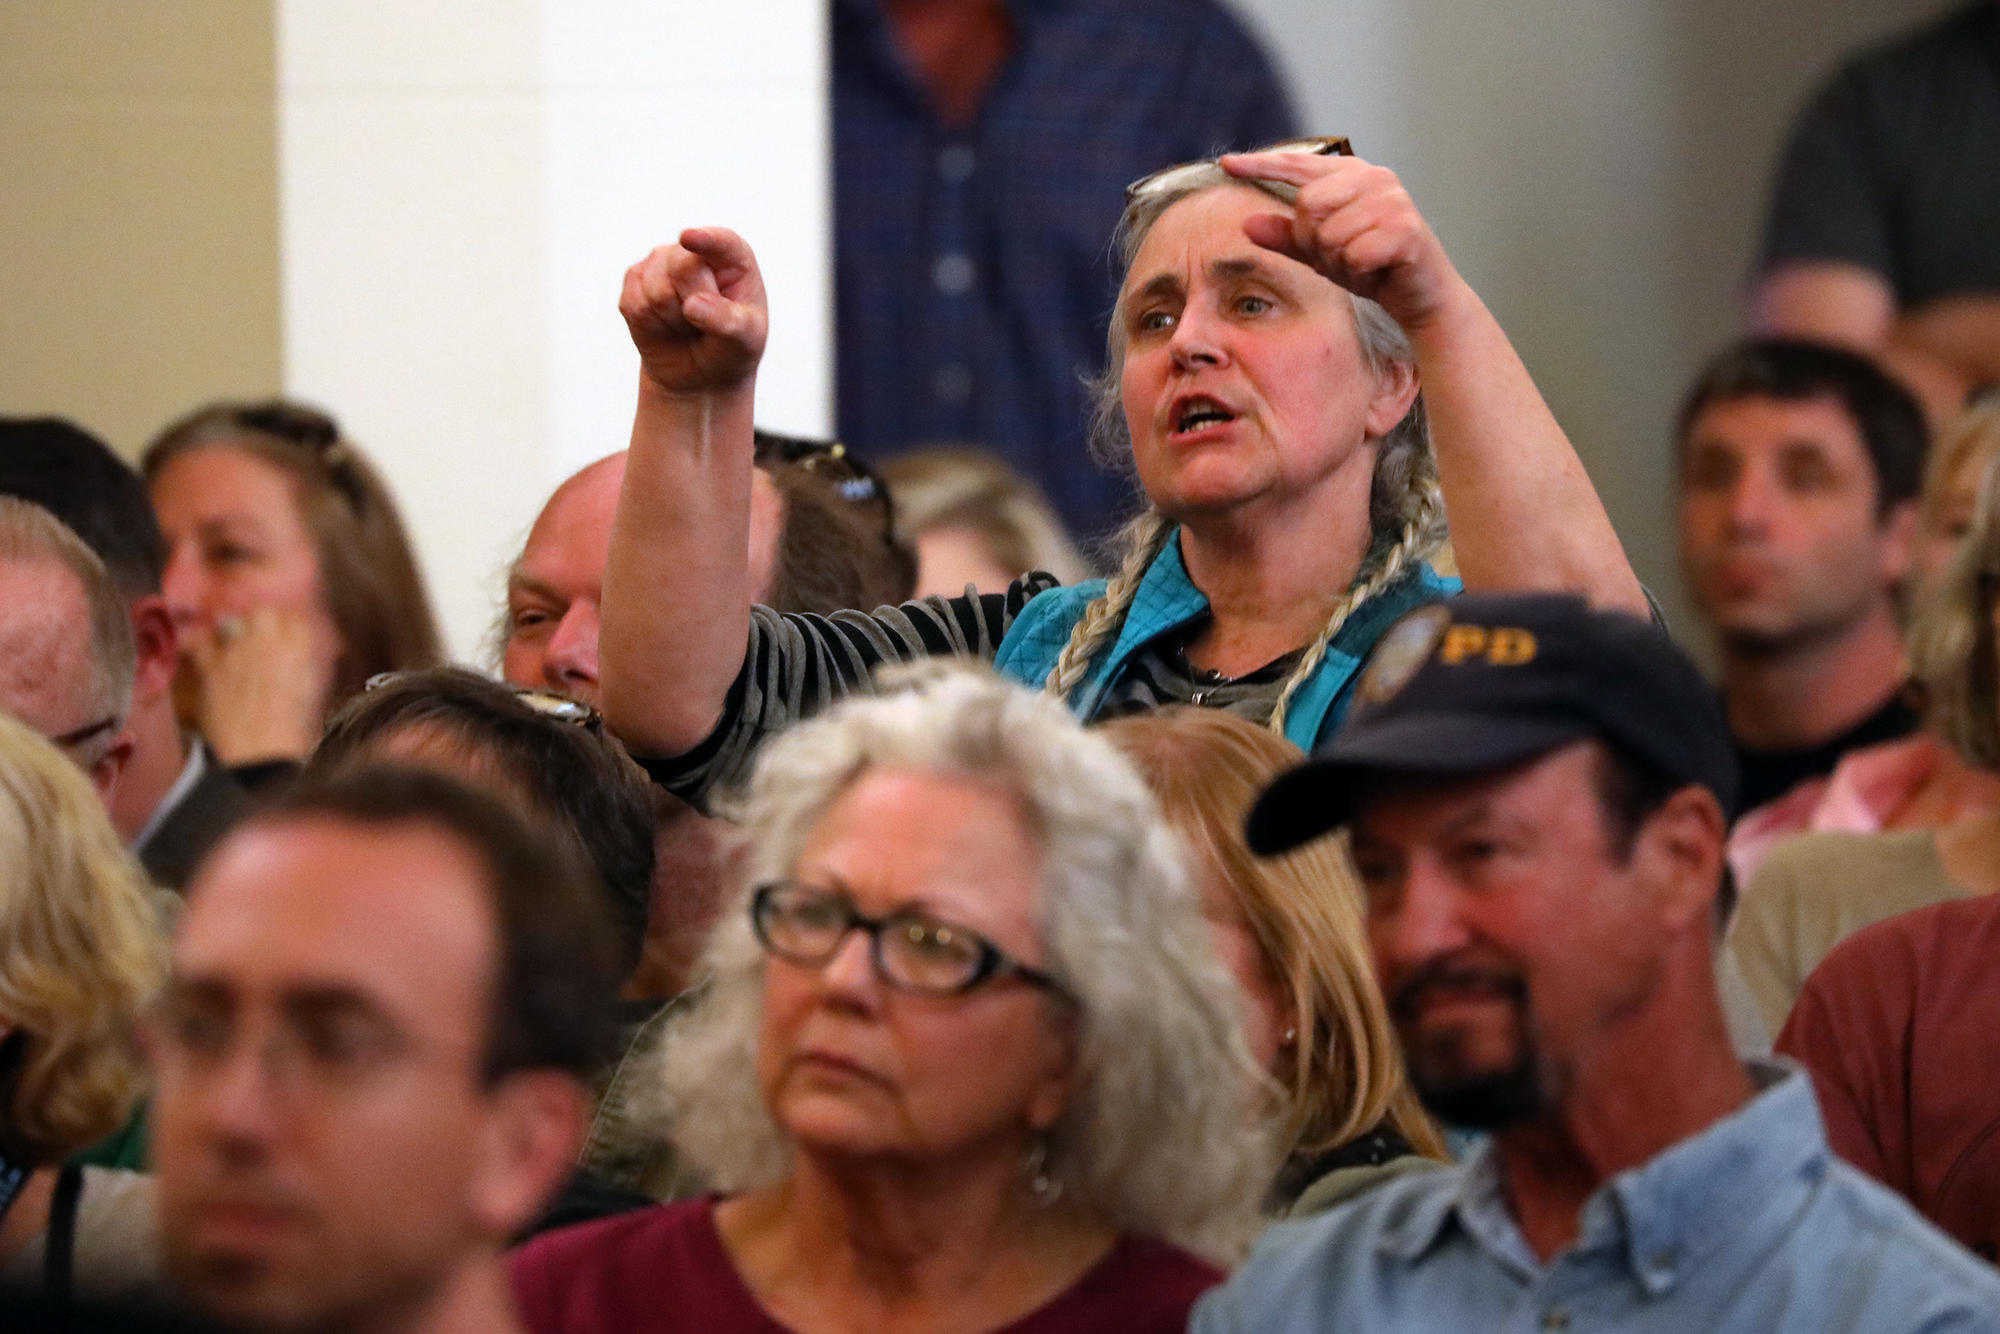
x=1165, y=601
x=1749, y=1226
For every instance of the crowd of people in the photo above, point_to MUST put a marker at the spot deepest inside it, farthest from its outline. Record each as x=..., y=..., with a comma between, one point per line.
x=834, y=909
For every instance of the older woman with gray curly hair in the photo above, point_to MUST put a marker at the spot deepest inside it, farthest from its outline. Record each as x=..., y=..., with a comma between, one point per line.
x=81, y=953
x=965, y=1060
x=1278, y=314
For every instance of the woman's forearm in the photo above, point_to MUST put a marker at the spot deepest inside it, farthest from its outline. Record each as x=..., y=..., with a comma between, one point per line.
x=1524, y=513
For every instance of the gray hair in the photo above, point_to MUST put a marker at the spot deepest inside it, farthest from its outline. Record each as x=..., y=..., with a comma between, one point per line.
x=1160, y=1137
x=1405, y=506
x=1405, y=484
x=1952, y=650
x=30, y=534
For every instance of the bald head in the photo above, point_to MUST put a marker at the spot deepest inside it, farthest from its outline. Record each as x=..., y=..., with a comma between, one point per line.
x=549, y=639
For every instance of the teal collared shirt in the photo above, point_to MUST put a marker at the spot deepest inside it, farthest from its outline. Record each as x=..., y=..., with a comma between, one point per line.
x=1168, y=600
x=1749, y=1226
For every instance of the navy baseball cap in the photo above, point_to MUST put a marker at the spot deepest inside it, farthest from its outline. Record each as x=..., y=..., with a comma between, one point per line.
x=1485, y=681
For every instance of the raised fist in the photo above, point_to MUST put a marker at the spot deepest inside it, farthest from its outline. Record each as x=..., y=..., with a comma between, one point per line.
x=1356, y=224
x=697, y=312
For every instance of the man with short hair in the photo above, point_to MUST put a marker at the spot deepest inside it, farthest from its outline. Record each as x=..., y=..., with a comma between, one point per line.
x=386, y=995
x=553, y=761
x=66, y=656
x=1537, y=795
x=1799, y=467
x=822, y=539
x=173, y=799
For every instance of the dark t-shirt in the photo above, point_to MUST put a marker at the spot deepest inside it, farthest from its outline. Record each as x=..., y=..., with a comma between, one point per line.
x=1770, y=774
x=1895, y=165
x=665, y=1271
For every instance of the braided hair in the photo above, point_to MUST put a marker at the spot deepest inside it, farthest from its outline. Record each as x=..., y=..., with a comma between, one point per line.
x=1405, y=507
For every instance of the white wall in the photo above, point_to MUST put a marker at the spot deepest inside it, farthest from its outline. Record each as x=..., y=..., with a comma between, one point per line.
x=461, y=185
x=1597, y=170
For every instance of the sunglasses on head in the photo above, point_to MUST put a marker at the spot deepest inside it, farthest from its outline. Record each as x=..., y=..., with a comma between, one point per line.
x=1169, y=178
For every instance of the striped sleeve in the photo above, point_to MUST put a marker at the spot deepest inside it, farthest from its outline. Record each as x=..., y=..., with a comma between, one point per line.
x=796, y=665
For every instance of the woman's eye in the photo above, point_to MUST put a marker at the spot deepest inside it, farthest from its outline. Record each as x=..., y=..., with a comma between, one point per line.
x=528, y=618
x=935, y=941
x=1154, y=321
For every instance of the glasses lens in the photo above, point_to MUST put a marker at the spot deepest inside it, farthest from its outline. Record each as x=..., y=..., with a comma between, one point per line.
x=802, y=924
x=930, y=956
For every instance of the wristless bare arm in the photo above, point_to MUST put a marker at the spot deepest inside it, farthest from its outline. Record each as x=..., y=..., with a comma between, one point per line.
x=676, y=608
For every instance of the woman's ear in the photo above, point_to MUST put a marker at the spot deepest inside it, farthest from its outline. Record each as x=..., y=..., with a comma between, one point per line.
x=1052, y=1091
x=1396, y=389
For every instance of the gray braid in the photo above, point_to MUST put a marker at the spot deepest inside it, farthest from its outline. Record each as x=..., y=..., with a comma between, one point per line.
x=1423, y=533
x=1142, y=539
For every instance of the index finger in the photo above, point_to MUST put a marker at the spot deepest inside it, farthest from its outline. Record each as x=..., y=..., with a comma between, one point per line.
x=726, y=253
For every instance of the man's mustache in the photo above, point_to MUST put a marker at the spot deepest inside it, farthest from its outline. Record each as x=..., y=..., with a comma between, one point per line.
x=1454, y=975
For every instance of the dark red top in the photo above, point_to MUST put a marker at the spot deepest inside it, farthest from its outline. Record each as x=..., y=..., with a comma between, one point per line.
x=1897, y=1027
x=664, y=1271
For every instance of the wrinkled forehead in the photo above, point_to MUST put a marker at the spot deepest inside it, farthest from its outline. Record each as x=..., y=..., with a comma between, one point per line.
x=1203, y=226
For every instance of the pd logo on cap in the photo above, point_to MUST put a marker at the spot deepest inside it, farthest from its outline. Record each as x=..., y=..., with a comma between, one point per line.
x=1401, y=651
x=1496, y=645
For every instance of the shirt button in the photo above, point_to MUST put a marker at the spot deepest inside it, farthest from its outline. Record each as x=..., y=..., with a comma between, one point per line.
x=952, y=384
x=955, y=163
x=1555, y=1319
x=954, y=274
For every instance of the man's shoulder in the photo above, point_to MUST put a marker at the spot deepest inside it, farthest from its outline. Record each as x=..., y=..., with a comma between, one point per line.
x=1302, y=1272
x=1914, y=53
x=1840, y=854
x=1869, y=1238
x=195, y=823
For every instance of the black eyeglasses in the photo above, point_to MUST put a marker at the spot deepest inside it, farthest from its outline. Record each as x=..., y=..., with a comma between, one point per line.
x=74, y=740
x=806, y=925
x=1167, y=178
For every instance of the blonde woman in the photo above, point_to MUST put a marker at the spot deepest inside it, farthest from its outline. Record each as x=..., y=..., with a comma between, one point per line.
x=80, y=953
x=1290, y=929
x=1278, y=314
x=964, y=1061
x=976, y=522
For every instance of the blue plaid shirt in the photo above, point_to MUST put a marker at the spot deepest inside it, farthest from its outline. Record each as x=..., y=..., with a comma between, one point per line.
x=1750, y=1227
x=974, y=279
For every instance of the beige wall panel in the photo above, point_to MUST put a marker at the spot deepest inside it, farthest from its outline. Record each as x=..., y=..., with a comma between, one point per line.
x=139, y=219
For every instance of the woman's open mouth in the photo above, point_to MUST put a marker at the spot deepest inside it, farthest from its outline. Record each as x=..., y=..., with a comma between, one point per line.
x=1198, y=413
